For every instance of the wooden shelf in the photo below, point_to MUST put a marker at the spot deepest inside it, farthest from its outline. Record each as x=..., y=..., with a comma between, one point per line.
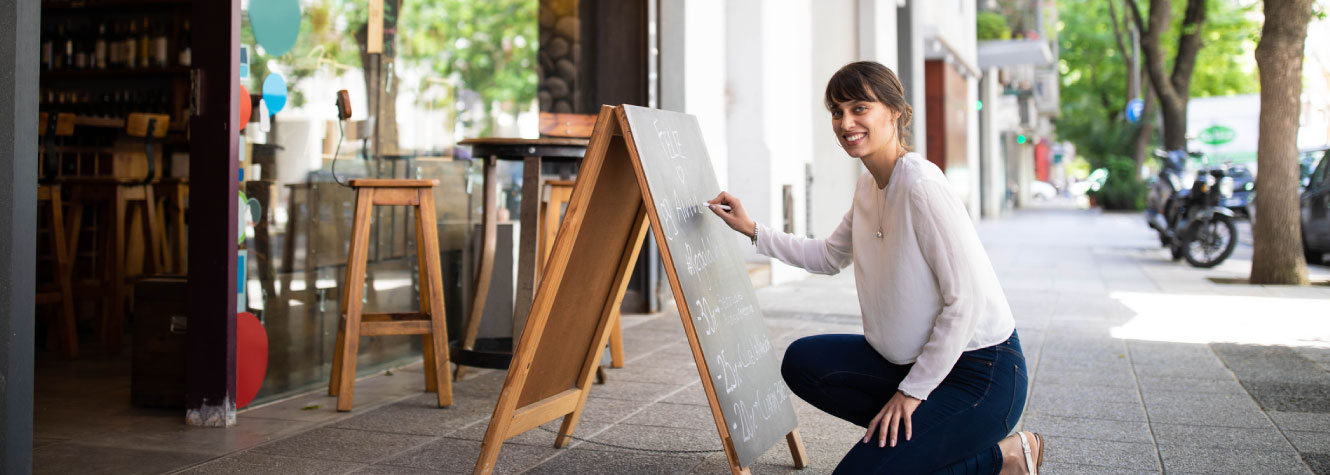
x=114, y=73
x=96, y=4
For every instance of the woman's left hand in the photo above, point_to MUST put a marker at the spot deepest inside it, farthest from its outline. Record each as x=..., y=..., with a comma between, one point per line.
x=895, y=414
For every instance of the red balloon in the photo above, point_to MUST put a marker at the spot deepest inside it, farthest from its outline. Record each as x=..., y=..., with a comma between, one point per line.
x=251, y=357
x=245, y=107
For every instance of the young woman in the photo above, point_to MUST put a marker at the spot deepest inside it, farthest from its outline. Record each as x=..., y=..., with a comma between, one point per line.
x=938, y=377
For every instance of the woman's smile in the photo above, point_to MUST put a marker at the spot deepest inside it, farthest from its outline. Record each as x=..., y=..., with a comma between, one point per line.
x=854, y=138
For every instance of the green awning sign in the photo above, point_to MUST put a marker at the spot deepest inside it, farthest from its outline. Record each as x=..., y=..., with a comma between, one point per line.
x=1217, y=135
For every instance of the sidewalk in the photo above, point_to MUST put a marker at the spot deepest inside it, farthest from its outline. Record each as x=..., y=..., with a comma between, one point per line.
x=1138, y=364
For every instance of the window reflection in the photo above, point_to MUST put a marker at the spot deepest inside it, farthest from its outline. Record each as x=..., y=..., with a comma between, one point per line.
x=449, y=70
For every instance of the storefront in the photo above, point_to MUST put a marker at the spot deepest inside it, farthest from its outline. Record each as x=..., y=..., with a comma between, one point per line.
x=217, y=126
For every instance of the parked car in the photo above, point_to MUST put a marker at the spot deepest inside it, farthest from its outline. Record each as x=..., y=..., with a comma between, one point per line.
x=1243, y=184
x=1316, y=213
x=1307, y=161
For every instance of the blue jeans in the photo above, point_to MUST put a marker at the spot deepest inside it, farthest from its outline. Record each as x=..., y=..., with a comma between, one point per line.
x=955, y=431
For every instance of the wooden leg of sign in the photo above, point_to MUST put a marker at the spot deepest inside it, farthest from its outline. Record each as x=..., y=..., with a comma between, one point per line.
x=797, y=449
x=432, y=285
x=490, y=232
x=609, y=317
x=355, y=287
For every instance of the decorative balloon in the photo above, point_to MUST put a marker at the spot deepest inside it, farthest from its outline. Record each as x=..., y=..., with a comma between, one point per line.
x=276, y=24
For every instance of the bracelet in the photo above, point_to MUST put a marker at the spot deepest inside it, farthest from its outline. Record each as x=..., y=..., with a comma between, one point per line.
x=754, y=238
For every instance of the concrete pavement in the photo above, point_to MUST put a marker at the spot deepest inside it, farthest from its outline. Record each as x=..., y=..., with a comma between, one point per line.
x=1138, y=364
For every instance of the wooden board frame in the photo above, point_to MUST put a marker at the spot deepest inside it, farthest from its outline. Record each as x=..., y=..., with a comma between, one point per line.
x=604, y=190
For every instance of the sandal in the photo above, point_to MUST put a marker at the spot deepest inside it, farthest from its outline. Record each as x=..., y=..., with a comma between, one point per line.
x=1032, y=463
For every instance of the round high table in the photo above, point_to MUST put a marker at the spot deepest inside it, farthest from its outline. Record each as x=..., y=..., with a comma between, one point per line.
x=532, y=153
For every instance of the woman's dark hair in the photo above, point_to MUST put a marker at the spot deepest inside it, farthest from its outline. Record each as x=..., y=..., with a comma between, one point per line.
x=870, y=81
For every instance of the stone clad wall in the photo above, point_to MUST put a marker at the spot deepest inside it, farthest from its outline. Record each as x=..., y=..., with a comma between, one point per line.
x=559, y=56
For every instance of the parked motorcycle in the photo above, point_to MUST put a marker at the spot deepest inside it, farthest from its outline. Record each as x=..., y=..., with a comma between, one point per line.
x=1192, y=222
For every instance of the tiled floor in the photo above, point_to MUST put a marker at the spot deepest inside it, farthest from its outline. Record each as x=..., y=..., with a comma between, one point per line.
x=1137, y=364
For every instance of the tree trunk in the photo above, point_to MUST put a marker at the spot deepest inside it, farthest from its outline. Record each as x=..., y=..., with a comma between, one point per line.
x=1140, y=142
x=1173, y=89
x=1277, y=236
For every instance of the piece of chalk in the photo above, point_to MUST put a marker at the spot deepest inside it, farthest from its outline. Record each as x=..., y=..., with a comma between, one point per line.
x=723, y=207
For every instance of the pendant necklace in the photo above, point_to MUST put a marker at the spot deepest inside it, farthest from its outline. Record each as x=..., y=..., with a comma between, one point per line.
x=879, y=212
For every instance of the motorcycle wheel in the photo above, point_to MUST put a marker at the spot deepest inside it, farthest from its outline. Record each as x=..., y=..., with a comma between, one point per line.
x=1213, y=243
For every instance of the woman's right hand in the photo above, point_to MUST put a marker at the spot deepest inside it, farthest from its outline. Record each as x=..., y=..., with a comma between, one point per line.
x=736, y=217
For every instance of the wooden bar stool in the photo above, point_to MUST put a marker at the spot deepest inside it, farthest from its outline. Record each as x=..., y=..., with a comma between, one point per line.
x=48, y=195
x=429, y=322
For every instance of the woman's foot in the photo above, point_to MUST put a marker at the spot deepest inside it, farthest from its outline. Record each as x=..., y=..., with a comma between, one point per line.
x=1014, y=461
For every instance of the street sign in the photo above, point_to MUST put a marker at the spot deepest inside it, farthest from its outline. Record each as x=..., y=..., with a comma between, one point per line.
x=1134, y=109
x=1217, y=135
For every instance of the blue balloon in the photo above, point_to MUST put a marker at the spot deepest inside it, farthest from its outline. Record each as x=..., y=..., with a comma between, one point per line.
x=274, y=92
x=276, y=24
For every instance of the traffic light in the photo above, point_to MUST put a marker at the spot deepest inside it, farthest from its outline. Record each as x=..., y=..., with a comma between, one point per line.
x=1020, y=139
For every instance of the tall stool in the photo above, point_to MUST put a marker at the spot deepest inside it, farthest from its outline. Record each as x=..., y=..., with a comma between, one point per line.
x=429, y=322
x=48, y=193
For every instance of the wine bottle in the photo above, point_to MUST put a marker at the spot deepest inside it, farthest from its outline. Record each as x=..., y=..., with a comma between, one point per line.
x=48, y=49
x=160, y=46
x=186, y=56
x=99, y=48
x=131, y=48
x=145, y=45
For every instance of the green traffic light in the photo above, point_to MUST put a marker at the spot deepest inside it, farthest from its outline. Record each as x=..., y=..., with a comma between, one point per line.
x=1020, y=139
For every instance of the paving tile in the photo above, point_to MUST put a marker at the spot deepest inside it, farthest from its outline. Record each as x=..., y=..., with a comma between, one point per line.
x=1318, y=463
x=1052, y=393
x=1220, y=437
x=1102, y=453
x=1120, y=378
x=174, y=435
x=448, y=455
x=542, y=436
x=1301, y=421
x=1185, y=459
x=73, y=458
x=393, y=470
x=264, y=464
x=419, y=417
x=1055, y=468
x=632, y=390
x=1309, y=442
x=683, y=416
x=693, y=394
x=1221, y=386
x=344, y=445
x=1270, y=363
x=610, y=410
x=1290, y=396
x=1204, y=409
x=1118, y=411
x=659, y=438
x=583, y=461
x=1083, y=428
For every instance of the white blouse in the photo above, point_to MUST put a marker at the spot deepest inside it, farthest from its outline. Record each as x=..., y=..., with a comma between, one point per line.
x=926, y=287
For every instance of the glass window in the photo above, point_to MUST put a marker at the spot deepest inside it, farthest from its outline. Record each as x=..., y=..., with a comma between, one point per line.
x=449, y=70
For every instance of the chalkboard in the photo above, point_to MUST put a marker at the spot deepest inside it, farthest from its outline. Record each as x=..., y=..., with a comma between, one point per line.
x=645, y=166
x=710, y=274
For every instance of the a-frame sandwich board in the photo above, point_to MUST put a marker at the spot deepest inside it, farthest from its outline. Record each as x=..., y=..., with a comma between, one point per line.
x=588, y=271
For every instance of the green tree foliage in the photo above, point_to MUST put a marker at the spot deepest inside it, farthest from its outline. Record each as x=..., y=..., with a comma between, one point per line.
x=992, y=26
x=490, y=46
x=1094, y=73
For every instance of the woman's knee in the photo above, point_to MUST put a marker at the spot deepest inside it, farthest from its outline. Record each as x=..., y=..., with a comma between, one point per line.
x=796, y=364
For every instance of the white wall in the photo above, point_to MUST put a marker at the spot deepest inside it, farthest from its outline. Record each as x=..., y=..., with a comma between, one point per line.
x=834, y=172
x=691, y=65
x=749, y=165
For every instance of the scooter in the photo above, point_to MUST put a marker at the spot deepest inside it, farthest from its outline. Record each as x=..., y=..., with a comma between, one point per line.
x=1192, y=223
